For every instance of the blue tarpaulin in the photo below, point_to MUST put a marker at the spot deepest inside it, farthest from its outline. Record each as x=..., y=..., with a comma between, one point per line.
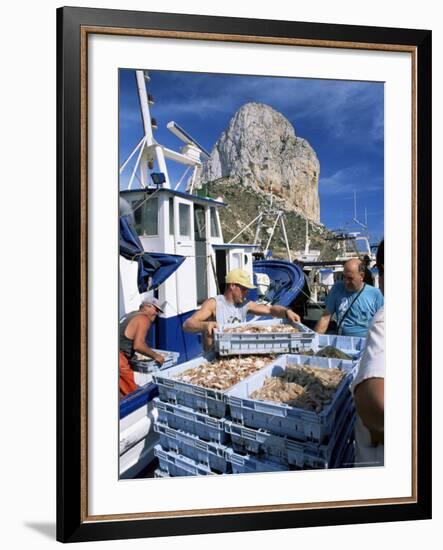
x=287, y=280
x=153, y=267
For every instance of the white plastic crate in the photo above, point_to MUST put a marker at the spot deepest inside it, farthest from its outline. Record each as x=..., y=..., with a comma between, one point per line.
x=212, y=455
x=176, y=465
x=280, y=418
x=284, y=450
x=183, y=418
x=259, y=343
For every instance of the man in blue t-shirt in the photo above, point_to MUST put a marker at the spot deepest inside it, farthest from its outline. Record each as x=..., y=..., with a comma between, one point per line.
x=353, y=302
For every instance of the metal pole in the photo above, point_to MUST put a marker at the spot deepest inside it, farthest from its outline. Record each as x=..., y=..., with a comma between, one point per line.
x=182, y=178
x=282, y=222
x=259, y=224
x=194, y=173
x=144, y=106
x=272, y=232
x=244, y=229
x=137, y=162
x=141, y=143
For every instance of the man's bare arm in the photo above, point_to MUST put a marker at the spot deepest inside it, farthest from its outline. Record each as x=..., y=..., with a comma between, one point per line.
x=141, y=326
x=276, y=311
x=322, y=324
x=203, y=320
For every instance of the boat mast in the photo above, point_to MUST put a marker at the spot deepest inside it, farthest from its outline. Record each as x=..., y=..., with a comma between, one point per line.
x=150, y=143
x=307, y=242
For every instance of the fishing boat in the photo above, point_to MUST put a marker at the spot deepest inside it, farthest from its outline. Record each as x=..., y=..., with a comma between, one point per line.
x=177, y=253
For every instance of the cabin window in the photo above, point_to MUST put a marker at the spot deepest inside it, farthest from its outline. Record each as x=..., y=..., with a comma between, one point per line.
x=171, y=216
x=137, y=212
x=215, y=230
x=199, y=223
x=151, y=217
x=236, y=261
x=184, y=214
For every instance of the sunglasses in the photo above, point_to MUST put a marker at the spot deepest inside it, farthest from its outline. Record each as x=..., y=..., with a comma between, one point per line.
x=242, y=288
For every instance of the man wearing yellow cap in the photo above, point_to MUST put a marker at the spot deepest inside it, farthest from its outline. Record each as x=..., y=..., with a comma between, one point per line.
x=231, y=307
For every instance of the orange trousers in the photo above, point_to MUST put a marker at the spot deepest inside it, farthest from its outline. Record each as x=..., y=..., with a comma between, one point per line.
x=126, y=381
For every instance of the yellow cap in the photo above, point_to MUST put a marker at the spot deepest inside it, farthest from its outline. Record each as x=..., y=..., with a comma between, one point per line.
x=239, y=277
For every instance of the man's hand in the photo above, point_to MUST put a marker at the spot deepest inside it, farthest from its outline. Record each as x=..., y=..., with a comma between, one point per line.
x=210, y=327
x=159, y=358
x=292, y=316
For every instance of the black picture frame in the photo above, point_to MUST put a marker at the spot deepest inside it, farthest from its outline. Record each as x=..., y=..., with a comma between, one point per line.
x=73, y=24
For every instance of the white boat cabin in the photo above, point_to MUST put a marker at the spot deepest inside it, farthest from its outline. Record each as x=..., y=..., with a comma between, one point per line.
x=173, y=222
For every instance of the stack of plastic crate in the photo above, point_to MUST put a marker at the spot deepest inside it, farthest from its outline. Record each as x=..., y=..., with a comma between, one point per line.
x=191, y=425
x=294, y=438
x=205, y=431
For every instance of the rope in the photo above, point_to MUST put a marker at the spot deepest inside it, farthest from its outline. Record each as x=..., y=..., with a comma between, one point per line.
x=148, y=198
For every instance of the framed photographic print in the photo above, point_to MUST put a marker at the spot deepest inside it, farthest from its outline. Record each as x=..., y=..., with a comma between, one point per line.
x=216, y=171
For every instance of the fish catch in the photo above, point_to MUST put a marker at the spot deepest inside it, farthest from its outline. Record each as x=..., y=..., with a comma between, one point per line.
x=329, y=352
x=308, y=388
x=257, y=329
x=224, y=373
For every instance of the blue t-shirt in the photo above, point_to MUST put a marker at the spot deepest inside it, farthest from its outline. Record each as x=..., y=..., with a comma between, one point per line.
x=357, y=320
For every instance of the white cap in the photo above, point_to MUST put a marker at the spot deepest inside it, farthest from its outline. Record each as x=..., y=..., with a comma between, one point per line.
x=151, y=301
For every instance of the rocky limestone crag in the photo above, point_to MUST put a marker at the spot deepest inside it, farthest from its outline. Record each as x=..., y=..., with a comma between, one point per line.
x=260, y=148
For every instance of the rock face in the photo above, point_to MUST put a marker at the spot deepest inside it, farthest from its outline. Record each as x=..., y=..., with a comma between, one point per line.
x=260, y=148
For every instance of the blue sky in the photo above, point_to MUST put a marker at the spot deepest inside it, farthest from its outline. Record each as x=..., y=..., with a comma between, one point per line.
x=342, y=120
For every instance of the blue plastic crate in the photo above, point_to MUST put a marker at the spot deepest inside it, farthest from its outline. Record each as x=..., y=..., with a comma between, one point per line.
x=352, y=345
x=245, y=464
x=263, y=343
x=284, y=450
x=200, y=399
x=344, y=454
x=183, y=418
x=349, y=456
x=176, y=465
x=160, y=473
x=212, y=455
x=149, y=365
x=282, y=419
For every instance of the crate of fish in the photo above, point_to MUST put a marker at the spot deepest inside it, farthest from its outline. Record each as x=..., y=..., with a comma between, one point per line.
x=292, y=452
x=275, y=336
x=213, y=455
x=337, y=350
x=352, y=346
x=185, y=419
x=201, y=383
x=145, y=365
x=296, y=396
x=177, y=465
x=246, y=464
